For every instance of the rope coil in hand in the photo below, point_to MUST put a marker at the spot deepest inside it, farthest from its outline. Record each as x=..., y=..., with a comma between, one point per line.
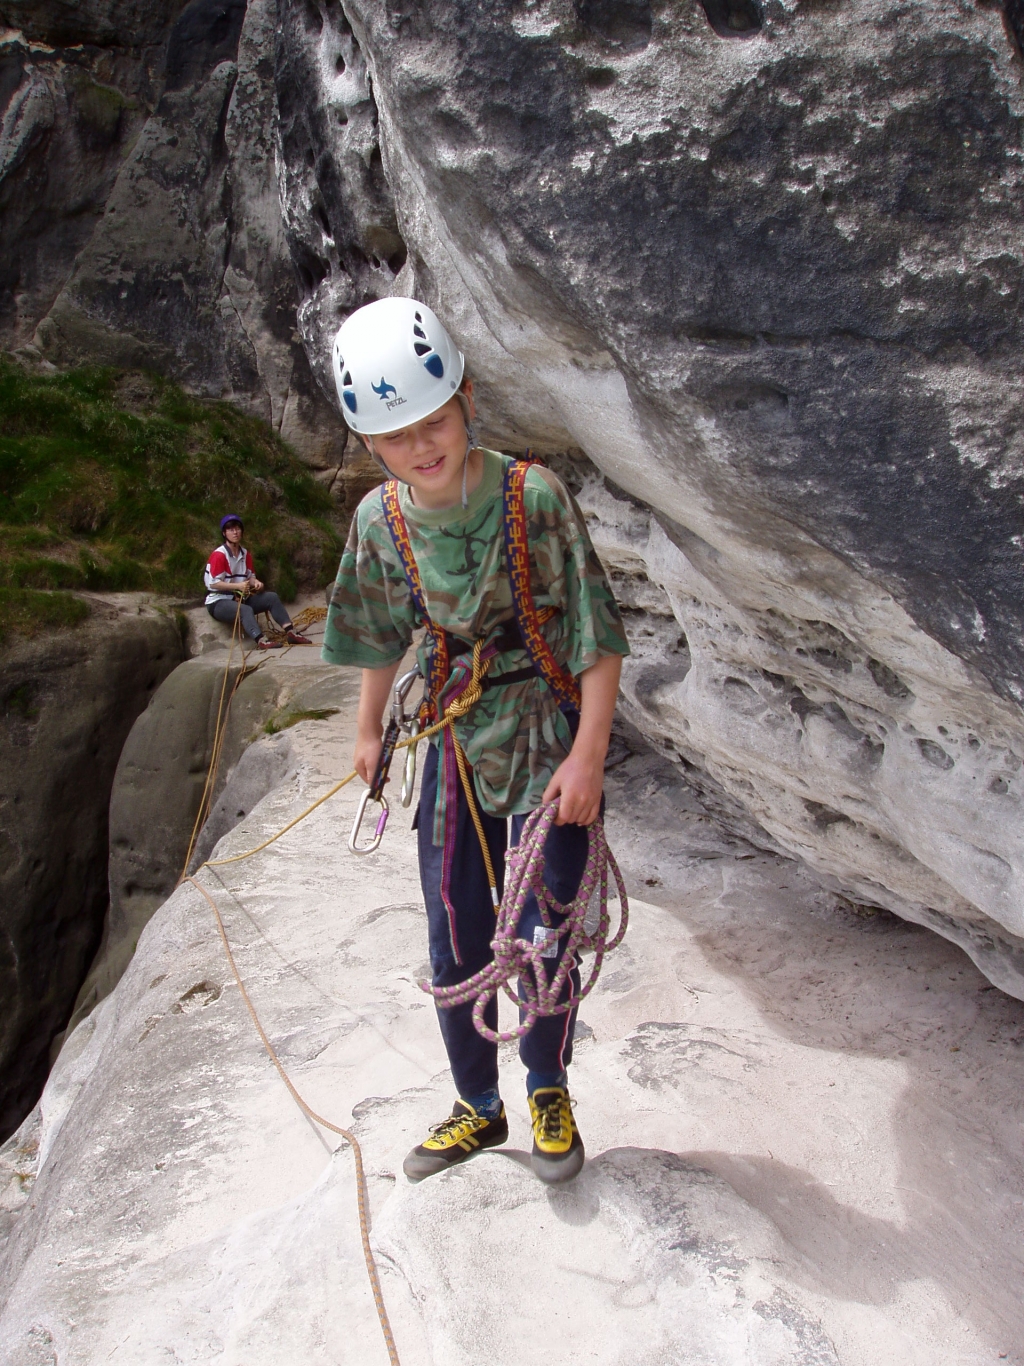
x=515, y=957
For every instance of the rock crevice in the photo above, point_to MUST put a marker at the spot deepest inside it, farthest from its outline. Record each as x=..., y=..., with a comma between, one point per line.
x=68, y=703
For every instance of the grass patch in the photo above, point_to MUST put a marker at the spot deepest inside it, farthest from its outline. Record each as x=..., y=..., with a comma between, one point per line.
x=277, y=724
x=114, y=481
x=25, y=612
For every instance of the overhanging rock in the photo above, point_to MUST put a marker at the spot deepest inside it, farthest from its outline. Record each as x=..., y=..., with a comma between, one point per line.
x=770, y=283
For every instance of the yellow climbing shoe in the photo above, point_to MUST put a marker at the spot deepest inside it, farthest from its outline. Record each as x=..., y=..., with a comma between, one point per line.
x=557, y=1147
x=461, y=1135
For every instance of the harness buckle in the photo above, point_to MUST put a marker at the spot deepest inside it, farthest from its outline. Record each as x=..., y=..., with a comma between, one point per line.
x=378, y=833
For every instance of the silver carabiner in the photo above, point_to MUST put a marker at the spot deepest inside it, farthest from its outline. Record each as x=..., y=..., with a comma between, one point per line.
x=382, y=821
x=409, y=775
x=411, y=726
x=400, y=693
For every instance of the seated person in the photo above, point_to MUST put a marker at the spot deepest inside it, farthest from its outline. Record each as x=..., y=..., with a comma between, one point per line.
x=229, y=577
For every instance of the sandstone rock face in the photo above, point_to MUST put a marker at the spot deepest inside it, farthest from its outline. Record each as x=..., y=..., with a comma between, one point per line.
x=75, y=86
x=69, y=701
x=761, y=263
x=138, y=193
x=161, y=779
x=764, y=267
x=155, y=795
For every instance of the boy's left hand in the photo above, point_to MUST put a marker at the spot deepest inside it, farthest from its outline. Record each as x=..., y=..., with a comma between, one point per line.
x=577, y=783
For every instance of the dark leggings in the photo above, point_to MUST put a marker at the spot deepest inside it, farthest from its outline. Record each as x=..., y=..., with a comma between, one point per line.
x=225, y=610
x=459, y=949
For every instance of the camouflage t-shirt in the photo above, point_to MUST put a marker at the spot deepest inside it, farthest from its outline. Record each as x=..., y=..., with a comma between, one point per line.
x=516, y=736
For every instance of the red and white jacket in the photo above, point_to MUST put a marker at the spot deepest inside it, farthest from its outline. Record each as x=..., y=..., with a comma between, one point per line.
x=224, y=566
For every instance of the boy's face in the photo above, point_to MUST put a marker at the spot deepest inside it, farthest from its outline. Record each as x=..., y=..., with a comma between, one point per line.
x=428, y=454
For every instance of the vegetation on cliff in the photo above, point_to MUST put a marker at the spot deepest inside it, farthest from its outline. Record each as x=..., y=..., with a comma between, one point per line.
x=113, y=480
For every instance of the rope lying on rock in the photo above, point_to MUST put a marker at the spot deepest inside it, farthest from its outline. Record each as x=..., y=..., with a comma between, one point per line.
x=515, y=957
x=362, y=1197
x=301, y=621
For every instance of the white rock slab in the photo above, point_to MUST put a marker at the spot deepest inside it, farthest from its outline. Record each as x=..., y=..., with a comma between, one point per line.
x=803, y=1128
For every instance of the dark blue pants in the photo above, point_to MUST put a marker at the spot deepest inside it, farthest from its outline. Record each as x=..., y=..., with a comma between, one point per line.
x=459, y=950
x=225, y=610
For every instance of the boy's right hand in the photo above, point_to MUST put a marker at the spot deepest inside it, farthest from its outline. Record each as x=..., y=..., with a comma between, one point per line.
x=367, y=754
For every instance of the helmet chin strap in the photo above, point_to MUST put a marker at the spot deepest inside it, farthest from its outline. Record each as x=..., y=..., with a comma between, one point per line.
x=470, y=443
x=380, y=461
x=470, y=447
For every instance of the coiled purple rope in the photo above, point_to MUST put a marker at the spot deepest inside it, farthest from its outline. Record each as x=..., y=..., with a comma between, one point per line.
x=515, y=957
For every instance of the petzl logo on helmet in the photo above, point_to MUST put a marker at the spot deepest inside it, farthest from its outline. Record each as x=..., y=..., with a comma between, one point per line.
x=383, y=388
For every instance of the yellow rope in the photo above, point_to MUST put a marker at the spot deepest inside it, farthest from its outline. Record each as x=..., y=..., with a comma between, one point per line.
x=460, y=758
x=362, y=1199
x=309, y=616
x=236, y=858
x=219, y=733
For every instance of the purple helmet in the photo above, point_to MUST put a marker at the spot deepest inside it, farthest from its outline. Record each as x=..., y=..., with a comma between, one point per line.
x=225, y=522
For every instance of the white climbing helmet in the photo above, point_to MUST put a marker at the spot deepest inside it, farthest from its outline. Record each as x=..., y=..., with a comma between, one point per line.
x=394, y=364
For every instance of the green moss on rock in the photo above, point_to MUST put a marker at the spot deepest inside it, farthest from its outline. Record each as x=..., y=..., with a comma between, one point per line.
x=116, y=481
x=25, y=612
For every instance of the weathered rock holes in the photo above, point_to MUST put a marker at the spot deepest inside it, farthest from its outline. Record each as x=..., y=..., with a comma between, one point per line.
x=935, y=755
x=625, y=24
x=311, y=270
x=830, y=659
x=826, y=816
x=746, y=398
x=600, y=77
x=890, y=683
x=197, y=997
x=733, y=18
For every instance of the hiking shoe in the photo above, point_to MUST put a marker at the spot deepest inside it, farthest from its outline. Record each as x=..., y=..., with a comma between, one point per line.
x=462, y=1134
x=557, y=1147
x=265, y=643
x=294, y=637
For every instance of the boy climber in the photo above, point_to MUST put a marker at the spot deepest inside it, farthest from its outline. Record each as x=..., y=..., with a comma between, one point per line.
x=434, y=546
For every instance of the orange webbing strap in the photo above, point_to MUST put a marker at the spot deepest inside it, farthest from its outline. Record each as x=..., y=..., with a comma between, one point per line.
x=517, y=558
x=439, y=667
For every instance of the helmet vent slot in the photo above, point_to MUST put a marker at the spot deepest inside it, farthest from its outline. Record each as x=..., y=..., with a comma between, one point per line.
x=419, y=332
x=434, y=366
x=421, y=348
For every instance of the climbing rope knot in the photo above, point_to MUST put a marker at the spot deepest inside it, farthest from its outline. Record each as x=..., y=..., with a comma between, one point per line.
x=582, y=927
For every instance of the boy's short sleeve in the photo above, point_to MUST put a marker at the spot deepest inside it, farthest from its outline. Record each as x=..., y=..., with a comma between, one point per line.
x=370, y=617
x=570, y=574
